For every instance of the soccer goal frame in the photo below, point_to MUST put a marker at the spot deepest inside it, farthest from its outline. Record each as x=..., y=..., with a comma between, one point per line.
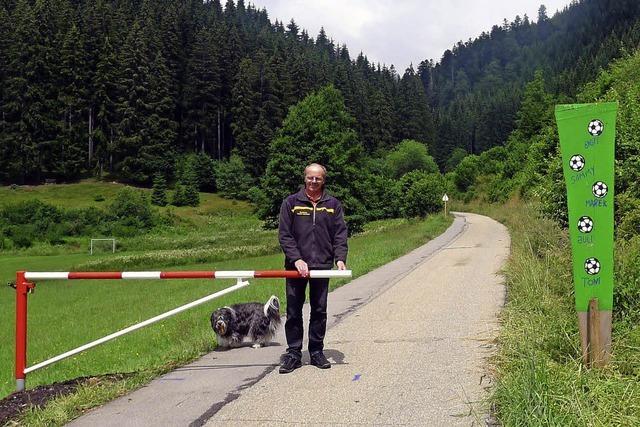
x=113, y=244
x=25, y=284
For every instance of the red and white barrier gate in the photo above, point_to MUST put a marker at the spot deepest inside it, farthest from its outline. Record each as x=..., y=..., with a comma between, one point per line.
x=24, y=286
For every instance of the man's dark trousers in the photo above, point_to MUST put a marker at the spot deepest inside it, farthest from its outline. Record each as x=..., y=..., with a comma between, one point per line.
x=294, y=327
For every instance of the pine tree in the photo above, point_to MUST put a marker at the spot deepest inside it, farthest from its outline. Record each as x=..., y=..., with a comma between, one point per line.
x=159, y=126
x=104, y=108
x=132, y=104
x=187, y=187
x=415, y=119
x=536, y=109
x=159, y=193
x=5, y=42
x=231, y=50
x=21, y=99
x=246, y=110
x=72, y=158
x=179, y=195
x=202, y=94
x=146, y=129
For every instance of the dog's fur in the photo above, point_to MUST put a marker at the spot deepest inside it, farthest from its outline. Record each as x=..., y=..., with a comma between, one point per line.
x=252, y=320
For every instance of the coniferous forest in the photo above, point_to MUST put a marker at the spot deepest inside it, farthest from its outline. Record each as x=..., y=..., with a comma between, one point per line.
x=195, y=92
x=122, y=87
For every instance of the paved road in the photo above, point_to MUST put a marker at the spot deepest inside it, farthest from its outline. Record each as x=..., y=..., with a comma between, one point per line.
x=408, y=344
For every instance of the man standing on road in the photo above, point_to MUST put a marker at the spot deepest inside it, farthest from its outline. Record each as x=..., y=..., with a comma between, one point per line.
x=313, y=235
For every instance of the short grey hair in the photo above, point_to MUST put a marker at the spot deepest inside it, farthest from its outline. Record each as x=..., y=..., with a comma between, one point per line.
x=316, y=165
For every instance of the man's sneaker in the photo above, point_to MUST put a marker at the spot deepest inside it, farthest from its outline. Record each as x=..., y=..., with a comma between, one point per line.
x=318, y=359
x=289, y=363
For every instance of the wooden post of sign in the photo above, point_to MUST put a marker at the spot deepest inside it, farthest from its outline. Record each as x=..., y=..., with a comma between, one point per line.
x=595, y=334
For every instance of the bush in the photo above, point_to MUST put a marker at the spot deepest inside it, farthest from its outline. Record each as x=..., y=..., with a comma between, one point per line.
x=232, y=178
x=79, y=222
x=500, y=189
x=424, y=196
x=455, y=158
x=355, y=223
x=23, y=224
x=380, y=195
x=132, y=208
x=466, y=172
x=629, y=225
x=409, y=156
x=31, y=220
x=407, y=181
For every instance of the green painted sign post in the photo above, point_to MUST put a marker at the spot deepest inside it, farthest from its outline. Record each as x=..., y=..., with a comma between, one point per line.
x=587, y=144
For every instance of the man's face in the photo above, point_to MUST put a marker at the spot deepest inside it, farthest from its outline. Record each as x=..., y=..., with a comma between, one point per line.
x=314, y=179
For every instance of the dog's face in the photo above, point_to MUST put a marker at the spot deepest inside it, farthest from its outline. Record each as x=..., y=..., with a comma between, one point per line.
x=221, y=320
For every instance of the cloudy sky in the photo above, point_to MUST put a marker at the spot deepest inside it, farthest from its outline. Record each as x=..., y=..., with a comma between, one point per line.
x=401, y=32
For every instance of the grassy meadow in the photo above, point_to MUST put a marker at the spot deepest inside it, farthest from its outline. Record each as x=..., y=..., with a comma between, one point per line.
x=540, y=377
x=218, y=235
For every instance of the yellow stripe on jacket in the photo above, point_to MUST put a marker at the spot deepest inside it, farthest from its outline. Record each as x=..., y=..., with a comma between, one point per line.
x=307, y=208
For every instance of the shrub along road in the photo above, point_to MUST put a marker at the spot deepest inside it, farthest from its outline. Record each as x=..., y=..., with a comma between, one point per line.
x=408, y=343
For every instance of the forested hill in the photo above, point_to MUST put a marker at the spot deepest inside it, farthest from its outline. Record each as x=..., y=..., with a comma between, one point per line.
x=95, y=86
x=126, y=87
x=477, y=86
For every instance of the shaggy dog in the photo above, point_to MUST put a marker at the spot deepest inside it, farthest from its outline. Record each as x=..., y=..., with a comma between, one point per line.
x=252, y=320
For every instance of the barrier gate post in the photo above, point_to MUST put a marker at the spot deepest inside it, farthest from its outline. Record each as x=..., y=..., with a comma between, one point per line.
x=23, y=287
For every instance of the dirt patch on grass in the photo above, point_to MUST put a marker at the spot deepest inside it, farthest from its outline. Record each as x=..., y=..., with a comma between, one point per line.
x=14, y=405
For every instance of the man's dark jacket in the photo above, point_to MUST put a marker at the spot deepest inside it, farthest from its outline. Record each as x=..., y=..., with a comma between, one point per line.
x=316, y=235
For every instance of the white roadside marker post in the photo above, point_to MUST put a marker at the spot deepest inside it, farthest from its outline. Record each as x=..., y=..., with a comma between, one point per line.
x=445, y=199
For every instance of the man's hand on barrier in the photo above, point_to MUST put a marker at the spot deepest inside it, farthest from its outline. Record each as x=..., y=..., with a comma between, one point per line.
x=341, y=265
x=302, y=267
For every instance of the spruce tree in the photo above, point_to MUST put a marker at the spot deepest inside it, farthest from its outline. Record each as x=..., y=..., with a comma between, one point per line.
x=104, y=107
x=191, y=194
x=132, y=105
x=246, y=110
x=22, y=98
x=179, y=195
x=74, y=156
x=159, y=193
x=415, y=119
x=146, y=129
x=5, y=42
x=159, y=126
x=202, y=94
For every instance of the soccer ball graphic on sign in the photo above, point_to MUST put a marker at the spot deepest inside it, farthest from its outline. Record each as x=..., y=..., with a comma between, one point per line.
x=577, y=162
x=585, y=224
x=595, y=127
x=600, y=189
x=592, y=266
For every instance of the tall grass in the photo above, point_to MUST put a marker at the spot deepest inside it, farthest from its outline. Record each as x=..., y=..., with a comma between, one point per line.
x=541, y=380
